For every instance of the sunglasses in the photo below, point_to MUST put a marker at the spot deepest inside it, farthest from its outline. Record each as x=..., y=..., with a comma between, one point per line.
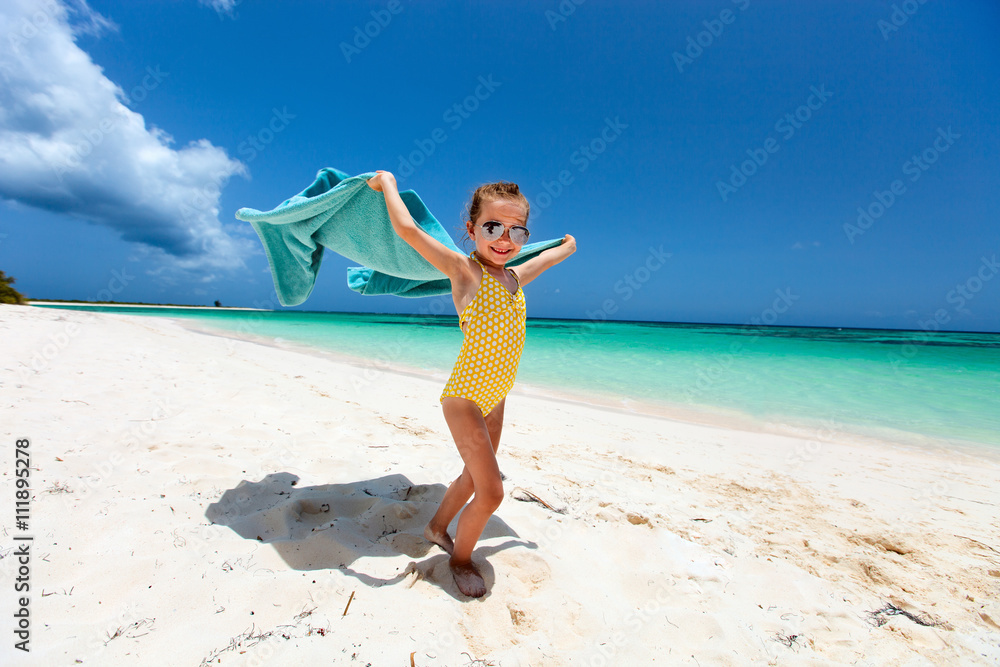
x=493, y=230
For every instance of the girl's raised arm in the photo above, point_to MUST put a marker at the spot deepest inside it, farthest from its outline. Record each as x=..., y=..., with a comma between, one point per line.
x=537, y=265
x=453, y=264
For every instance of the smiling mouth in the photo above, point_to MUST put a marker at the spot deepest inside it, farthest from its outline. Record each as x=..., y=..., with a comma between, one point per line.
x=500, y=252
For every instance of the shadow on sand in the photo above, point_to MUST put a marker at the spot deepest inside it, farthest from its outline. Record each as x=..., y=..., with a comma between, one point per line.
x=332, y=526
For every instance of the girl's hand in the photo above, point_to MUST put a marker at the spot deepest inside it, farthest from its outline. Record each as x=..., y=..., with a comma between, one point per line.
x=569, y=243
x=380, y=180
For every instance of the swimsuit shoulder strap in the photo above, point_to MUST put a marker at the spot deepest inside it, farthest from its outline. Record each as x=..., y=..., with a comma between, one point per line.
x=498, y=283
x=516, y=279
x=481, y=265
x=461, y=316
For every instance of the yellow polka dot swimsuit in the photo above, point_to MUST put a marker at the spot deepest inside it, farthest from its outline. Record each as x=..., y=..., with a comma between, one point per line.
x=491, y=349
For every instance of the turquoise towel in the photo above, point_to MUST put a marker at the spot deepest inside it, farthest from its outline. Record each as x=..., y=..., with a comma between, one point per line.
x=342, y=213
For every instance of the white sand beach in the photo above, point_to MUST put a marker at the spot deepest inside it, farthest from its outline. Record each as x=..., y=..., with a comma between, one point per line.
x=201, y=499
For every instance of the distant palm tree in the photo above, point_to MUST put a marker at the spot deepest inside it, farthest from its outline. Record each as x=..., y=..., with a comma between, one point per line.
x=218, y=304
x=7, y=293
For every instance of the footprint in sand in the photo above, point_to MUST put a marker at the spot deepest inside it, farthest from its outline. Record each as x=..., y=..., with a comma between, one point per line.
x=522, y=622
x=525, y=573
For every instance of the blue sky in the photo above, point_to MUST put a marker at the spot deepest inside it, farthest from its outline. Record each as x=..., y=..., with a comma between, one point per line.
x=738, y=137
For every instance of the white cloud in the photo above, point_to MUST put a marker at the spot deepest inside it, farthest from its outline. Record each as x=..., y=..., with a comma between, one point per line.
x=221, y=6
x=69, y=143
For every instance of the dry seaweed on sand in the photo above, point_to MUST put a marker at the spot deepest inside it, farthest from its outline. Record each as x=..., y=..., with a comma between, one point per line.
x=526, y=496
x=58, y=487
x=879, y=618
x=787, y=640
x=241, y=641
x=304, y=613
x=130, y=630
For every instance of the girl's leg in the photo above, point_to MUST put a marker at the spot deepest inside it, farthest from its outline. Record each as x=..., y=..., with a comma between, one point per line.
x=472, y=437
x=461, y=489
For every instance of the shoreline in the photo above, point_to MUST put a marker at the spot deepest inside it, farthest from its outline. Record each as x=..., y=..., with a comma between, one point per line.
x=710, y=416
x=744, y=326
x=86, y=304
x=187, y=478
x=816, y=430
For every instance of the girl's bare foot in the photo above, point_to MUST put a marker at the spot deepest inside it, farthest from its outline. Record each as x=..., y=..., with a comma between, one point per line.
x=469, y=581
x=440, y=538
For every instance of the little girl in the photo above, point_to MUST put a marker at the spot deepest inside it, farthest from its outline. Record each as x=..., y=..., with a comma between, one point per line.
x=490, y=304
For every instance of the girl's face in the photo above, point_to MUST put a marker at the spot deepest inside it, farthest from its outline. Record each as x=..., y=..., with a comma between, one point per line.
x=501, y=250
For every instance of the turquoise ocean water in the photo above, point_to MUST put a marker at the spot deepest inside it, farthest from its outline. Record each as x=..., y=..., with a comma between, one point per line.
x=897, y=385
